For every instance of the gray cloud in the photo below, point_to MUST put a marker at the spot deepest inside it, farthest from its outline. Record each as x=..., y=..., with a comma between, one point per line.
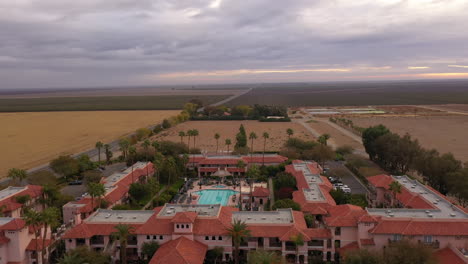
x=119, y=42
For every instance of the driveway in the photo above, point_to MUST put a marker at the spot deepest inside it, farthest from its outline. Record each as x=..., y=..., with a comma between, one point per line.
x=347, y=177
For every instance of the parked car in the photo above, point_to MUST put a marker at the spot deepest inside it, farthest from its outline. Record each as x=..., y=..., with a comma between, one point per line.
x=77, y=182
x=346, y=190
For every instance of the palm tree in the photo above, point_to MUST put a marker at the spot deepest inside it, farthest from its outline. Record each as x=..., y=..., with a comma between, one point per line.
x=122, y=234
x=124, y=144
x=290, y=132
x=33, y=220
x=238, y=233
x=252, y=137
x=181, y=135
x=228, y=143
x=265, y=137
x=195, y=135
x=189, y=135
x=131, y=155
x=261, y=256
x=96, y=190
x=108, y=153
x=322, y=139
x=171, y=169
x=158, y=162
x=298, y=241
x=146, y=144
x=99, y=145
x=155, y=145
x=240, y=165
x=17, y=175
x=49, y=219
x=394, y=187
x=217, y=136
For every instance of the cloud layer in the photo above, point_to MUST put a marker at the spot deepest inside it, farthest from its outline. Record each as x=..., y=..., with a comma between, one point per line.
x=56, y=43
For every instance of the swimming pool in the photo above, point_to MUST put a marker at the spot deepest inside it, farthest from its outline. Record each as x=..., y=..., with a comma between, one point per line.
x=219, y=186
x=215, y=196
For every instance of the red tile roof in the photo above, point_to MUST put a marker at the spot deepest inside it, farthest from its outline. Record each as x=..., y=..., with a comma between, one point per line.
x=413, y=227
x=180, y=251
x=447, y=256
x=87, y=230
x=14, y=224
x=294, y=231
x=10, y=203
x=184, y=217
x=344, y=215
x=315, y=233
x=413, y=200
x=208, y=161
x=349, y=247
x=380, y=181
x=32, y=244
x=367, y=218
x=260, y=192
x=268, y=159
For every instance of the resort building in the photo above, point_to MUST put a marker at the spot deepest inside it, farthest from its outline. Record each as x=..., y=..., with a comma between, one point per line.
x=116, y=186
x=10, y=197
x=209, y=164
x=186, y=232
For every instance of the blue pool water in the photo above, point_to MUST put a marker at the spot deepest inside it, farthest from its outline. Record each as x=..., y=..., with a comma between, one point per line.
x=215, y=196
x=219, y=186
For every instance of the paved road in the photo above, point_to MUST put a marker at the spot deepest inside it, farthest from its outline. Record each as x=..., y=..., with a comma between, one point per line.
x=313, y=131
x=449, y=111
x=348, y=177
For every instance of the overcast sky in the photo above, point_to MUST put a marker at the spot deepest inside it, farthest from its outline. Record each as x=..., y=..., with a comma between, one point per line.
x=75, y=43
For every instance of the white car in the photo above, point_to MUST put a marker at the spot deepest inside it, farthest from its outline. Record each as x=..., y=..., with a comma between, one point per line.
x=346, y=190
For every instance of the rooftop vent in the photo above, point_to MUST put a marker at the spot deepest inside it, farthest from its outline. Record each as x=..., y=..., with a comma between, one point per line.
x=391, y=214
x=119, y=217
x=263, y=218
x=430, y=215
x=453, y=214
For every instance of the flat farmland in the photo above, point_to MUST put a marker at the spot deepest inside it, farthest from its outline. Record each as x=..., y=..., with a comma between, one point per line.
x=32, y=139
x=444, y=133
x=358, y=93
x=98, y=103
x=228, y=129
x=337, y=137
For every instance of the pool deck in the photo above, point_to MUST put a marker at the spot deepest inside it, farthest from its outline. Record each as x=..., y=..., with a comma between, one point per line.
x=245, y=190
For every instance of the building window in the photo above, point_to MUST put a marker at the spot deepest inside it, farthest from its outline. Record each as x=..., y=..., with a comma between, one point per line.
x=337, y=231
x=148, y=237
x=186, y=226
x=161, y=237
x=154, y=237
x=427, y=239
x=213, y=238
x=177, y=226
x=367, y=224
x=396, y=237
x=207, y=238
x=220, y=238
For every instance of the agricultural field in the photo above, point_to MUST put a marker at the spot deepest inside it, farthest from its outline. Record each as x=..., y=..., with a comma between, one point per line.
x=228, y=129
x=32, y=139
x=93, y=103
x=358, y=93
x=444, y=133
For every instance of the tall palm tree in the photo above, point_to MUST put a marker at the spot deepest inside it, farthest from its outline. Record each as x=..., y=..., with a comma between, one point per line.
x=265, y=137
x=146, y=144
x=49, y=219
x=124, y=144
x=238, y=233
x=122, y=234
x=189, y=135
x=155, y=145
x=394, y=187
x=216, y=137
x=158, y=162
x=171, y=169
x=33, y=220
x=240, y=165
x=131, y=155
x=290, y=132
x=298, y=241
x=195, y=135
x=228, y=143
x=252, y=137
x=17, y=175
x=261, y=256
x=96, y=190
x=99, y=145
x=108, y=153
x=181, y=135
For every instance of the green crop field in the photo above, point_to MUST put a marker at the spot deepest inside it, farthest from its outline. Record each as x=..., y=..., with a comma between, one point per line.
x=169, y=102
x=354, y=93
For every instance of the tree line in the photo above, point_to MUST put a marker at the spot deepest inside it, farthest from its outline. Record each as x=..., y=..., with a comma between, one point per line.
x=401, y=154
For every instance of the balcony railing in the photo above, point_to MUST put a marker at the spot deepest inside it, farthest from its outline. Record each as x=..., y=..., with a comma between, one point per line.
x=434, y=244
x=315, y=243
x=290, y=248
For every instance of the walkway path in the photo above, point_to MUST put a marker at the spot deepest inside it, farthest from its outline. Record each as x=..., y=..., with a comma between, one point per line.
x=154, y=197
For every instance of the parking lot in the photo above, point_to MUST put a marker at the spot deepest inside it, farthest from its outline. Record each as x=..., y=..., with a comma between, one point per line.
x=346, y=176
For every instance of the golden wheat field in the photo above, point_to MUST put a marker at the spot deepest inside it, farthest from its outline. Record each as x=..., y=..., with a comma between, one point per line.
x=32, y=139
